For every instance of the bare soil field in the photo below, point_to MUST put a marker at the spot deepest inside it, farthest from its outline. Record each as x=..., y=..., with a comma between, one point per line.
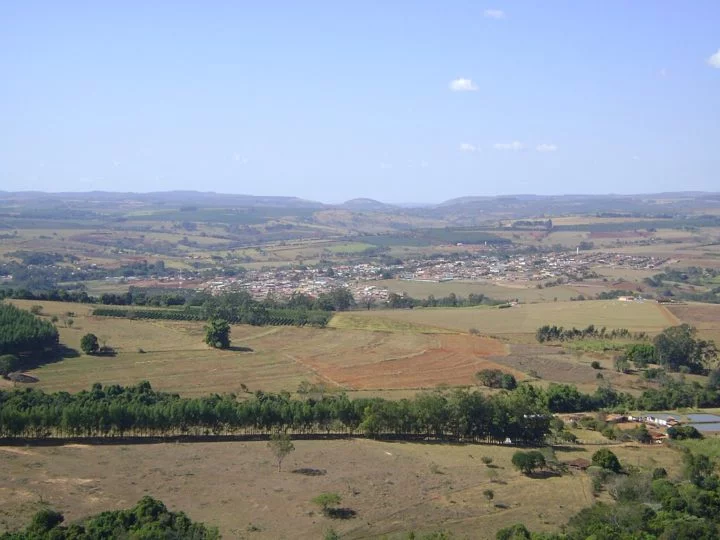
x=392, y=487
x=445, y=360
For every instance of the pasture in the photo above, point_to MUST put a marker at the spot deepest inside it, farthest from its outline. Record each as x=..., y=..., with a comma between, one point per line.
x=392, y=487
x=526, y=293
x=173, y=357
x=391, y=353
x=525, y=319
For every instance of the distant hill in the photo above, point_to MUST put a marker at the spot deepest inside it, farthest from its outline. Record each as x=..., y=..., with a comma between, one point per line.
x=362, y=204
x=182, y=198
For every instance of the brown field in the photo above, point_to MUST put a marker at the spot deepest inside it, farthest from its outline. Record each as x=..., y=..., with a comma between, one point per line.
x=393, y=487
x=704, y=317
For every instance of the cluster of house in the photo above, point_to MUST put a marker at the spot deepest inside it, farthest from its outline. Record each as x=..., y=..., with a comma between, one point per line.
x=359, y=278
x=525, y=267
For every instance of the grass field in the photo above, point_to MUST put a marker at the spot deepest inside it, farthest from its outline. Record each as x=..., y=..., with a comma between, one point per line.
x=524, y=293
x=526, y=318
x=393, y=487
x=175, y=358
x=392, y=353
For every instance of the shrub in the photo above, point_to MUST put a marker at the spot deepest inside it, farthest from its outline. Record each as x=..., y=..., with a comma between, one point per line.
x=607, y=460
x=487, y=460
x=595, y=364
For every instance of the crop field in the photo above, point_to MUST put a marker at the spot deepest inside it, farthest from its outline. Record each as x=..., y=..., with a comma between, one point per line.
x=392, y=487
x=526, y=318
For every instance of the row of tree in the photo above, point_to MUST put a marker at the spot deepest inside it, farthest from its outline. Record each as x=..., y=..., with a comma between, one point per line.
x=114, y=411
x=549, y=333
x=398, y=301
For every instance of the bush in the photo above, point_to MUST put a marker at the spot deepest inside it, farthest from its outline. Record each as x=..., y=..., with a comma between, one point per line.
x=683, y=432
x=487, y=460
x=607, y=460
x=514, y=532
x=495, y=378
x=595, y=364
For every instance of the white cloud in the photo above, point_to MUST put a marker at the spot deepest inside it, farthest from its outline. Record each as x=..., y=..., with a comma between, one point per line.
x=546, y=147
x=714, y=60
x=240, y=159
x=462, y=85
x=494, y=14
x=514, y=146
x=467, y=147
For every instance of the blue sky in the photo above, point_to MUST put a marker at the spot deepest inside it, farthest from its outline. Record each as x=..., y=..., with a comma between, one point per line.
x=403, y=101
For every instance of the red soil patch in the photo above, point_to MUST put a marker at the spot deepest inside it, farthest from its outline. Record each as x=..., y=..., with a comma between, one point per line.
x=448, y=359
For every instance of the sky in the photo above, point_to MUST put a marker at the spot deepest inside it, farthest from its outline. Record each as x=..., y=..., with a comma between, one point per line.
x=401, y=101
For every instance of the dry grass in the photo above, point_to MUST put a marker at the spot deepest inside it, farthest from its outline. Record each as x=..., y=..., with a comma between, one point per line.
x=525, y=292
x=526, y=318
x=234, y=485
x=175, y=359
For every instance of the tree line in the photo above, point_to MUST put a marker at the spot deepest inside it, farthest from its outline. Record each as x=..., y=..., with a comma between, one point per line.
x=552, y=333
x=140, y=411
x=397, y=301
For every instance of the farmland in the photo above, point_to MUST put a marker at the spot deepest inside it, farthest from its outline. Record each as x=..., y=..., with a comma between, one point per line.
x=393, y=487
x=524, y=319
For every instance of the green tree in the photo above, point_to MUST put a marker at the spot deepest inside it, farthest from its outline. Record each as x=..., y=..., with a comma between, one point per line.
x=281, y=446
x=217, y=333
x=8, y=364
x=89, y=344
x=527, y=462
x=677, y=346
x=607, y=460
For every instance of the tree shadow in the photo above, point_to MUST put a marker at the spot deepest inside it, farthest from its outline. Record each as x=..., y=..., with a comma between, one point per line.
x=37, y=359
x=240, y=348
x=566, y=448
x=310, y=472
x=544, y=474
x=340, y=513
